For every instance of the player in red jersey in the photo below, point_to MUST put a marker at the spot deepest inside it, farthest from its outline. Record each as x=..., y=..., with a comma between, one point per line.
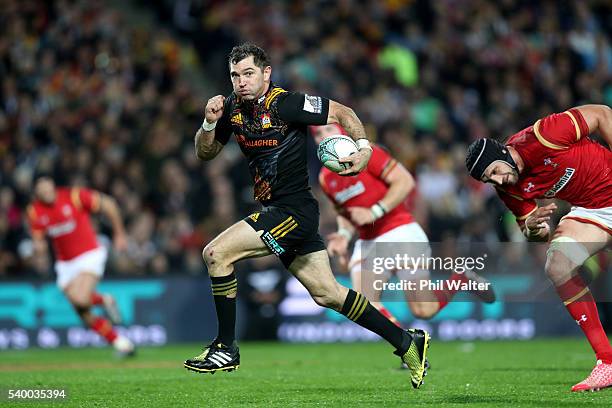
x=374, y=204
x=556, y=158
x=63, y=215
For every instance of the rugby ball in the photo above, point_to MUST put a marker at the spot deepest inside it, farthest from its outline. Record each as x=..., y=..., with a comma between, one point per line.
x=333, y=148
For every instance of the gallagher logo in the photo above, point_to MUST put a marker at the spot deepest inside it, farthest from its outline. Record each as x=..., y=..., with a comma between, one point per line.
x=244, y=142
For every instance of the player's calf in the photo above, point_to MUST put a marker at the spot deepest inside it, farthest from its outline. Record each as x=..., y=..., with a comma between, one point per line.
x=328, y=300
x=111, y=309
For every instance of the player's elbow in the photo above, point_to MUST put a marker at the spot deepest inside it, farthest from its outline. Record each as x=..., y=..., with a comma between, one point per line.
x=603, y=113
x=108, y=204
x=401, y=180
x=404, y=188
x=339, y=112
x=408, y=183
x=203, y=155
x=606, y=115
x=347, y=113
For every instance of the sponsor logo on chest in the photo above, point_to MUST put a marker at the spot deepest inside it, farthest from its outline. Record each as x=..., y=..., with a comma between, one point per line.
x=349, y=192
x=250, y=143
x=562, y=182
x=61, y=228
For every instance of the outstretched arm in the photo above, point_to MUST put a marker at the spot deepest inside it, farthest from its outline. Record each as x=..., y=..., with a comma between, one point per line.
x=599, y=119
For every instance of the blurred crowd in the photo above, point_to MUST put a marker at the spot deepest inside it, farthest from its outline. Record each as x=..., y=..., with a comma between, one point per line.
x=100, y=102
x=97, y=102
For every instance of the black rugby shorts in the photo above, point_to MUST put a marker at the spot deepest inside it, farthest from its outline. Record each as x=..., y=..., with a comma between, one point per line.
x=290, y=226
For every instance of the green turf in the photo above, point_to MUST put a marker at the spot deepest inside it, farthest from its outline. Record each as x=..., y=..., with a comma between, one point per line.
x=497, y=374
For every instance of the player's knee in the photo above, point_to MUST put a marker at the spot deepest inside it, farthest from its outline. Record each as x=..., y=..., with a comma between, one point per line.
x=212, y=258
x=557, y=270
x=558, y=266
x=81, y=304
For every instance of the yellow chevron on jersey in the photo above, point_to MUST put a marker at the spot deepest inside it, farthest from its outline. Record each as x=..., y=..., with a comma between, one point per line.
x=272, y=95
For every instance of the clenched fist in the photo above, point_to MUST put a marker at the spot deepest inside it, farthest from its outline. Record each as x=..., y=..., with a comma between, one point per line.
x=214, y=108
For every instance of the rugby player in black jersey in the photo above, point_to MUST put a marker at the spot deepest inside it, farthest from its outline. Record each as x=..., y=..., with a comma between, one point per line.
x=270, y=125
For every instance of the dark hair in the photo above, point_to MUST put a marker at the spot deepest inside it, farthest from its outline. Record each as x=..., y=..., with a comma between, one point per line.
x=242, y=51
x=40, y=174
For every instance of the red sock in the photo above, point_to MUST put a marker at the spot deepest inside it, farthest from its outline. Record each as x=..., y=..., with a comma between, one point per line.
x=104, y=329
x=383, y=311
x=444, y=296
x=96, y=299
x=580, y=304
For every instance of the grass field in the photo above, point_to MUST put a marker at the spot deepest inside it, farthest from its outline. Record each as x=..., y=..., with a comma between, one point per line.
x=498, y=374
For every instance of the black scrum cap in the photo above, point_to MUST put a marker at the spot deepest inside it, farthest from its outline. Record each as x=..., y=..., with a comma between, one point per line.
x=482, y=153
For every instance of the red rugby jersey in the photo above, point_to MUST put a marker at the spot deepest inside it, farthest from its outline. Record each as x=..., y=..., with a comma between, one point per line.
x=561, y=161
x=365, y=190
x=66, y=221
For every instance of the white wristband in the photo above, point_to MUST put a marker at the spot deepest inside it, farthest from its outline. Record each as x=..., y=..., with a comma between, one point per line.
x=363, y=144
x=377, y=210
x=207, y=127
x=345, y=233
x=383, y=206
x=530, y=233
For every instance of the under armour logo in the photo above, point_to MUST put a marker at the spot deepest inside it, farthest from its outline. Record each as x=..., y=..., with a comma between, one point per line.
x=583, y=318
x=549, y=162
x=529, y=187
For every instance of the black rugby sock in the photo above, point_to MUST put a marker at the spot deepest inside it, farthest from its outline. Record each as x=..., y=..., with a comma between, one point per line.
x=222, y=287
x=357, y=308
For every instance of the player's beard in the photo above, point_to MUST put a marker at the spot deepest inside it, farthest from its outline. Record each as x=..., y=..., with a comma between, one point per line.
x=512, y=178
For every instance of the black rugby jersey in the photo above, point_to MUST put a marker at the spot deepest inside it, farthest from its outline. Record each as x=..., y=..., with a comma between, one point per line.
x=271, y=132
